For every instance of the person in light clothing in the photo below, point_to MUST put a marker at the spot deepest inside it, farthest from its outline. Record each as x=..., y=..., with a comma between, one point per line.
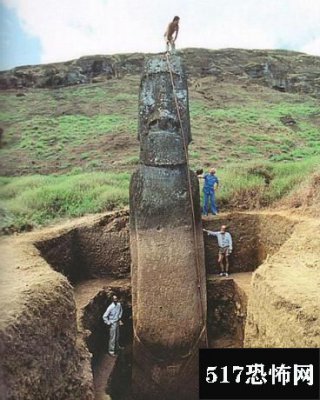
x=225, y=248
x=112, y=318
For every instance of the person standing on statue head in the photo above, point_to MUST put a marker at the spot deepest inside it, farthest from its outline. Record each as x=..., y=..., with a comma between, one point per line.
x=211, y=184
x=173, y=28
x=112, y=317
x=225, y=248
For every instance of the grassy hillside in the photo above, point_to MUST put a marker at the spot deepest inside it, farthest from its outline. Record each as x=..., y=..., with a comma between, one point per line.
x=94, y=127
x=77, y=145
x=36, y=200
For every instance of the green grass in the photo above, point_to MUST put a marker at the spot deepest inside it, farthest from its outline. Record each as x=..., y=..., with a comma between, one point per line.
x=254, y=129
x=61, y=139
x=132, y=160
x=38, y=200
x=49, y=125
x=254, y=113
x=48, y=131
x=266, y=182
x=73, y=129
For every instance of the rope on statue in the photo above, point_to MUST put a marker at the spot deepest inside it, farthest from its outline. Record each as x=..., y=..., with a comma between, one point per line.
x=203, y=313
x=192, y=351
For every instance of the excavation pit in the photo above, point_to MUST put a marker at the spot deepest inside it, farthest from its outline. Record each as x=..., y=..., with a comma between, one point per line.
x=92, y=298
x=255, y=237
x=96, y=250
x=227, y=299
x=94, y=256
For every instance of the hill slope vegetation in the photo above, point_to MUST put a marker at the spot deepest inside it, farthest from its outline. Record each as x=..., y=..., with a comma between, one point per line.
x=254, y=115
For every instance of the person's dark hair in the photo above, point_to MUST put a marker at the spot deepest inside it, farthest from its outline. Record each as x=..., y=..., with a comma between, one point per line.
x=176, y=18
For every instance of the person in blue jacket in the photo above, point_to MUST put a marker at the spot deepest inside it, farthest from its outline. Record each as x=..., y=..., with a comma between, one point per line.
x=211, y=184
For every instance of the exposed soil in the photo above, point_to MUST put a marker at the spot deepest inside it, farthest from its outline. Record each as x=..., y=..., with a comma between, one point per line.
x=41, y=356
x=92, y=298
x=283, y=308
x=99, y=247
x=255, y=236
x=227, y=309
x=227, y=300
x=282, y=299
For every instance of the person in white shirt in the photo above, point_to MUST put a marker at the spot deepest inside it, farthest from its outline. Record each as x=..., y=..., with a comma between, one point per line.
x=112, y=317
x=225, y=248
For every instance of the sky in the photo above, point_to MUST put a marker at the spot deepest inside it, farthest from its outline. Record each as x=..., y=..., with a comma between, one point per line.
x=44, y=31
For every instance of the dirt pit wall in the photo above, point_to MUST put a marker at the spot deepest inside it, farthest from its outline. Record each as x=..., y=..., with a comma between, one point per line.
x=255, y=236
x=48, y=352
x=101, y=248
x=98, y=248
x=283, y=308
x=227, y=309
x=41, y=356
x=91, y=316
x=46, y=358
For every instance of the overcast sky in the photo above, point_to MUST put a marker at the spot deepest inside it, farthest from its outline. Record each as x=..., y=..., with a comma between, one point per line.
x=41, y=31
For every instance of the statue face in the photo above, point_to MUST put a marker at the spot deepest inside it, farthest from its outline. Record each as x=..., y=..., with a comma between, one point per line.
x=160, y=135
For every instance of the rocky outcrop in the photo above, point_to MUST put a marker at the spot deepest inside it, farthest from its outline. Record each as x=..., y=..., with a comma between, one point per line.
x=168, y=283
x=83, y=70
x=282, y=70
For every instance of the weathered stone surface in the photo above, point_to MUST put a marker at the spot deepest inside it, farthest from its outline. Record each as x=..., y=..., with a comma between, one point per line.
x=168, y=285
x=161, y=140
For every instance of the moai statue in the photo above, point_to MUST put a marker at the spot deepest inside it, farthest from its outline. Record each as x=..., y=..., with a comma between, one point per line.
x=168, y=272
